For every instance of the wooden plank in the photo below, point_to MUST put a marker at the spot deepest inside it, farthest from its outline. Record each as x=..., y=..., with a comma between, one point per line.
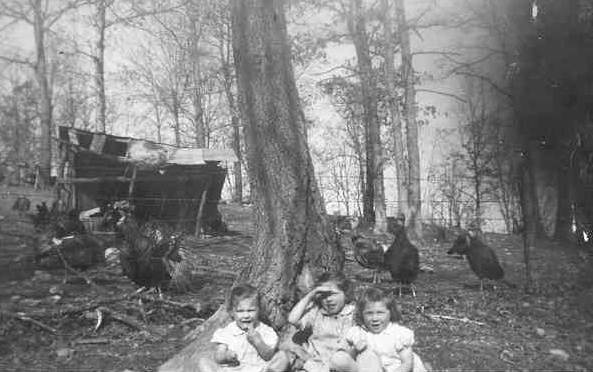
x=94, y=179
x=201, y=209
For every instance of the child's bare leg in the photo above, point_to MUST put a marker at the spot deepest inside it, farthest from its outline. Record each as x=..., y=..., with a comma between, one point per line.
x=280, y=362
x=341, y=361
x=207, y=365
x=368, y=361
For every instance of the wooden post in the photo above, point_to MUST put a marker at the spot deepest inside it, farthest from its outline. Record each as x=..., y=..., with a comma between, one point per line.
x=132, y=181
x=201, y=209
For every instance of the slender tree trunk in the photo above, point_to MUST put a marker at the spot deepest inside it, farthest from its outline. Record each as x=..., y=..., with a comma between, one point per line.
x=176, y=123
x=393, y=106
x=407, y=71
x=292, y=231
x=235, y=120
x=374, y=200
x=529, y=209
x=200, y=127
x=45, y=96
x=99, y=60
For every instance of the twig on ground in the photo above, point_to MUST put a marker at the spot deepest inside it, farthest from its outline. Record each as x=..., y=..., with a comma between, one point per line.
x=129, y=321
x=91, y=341
x=25, y=318
x=191, y=320
x=169, y=302
x=85, y=307
x=447, y=317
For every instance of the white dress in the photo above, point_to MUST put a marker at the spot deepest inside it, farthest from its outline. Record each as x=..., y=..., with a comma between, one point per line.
x=236, y=340
x=387, y=344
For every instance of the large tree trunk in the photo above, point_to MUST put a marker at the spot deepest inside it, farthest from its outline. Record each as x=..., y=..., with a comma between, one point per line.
x=374, y=198
x=99, y=60
x=407, y=71
x=393, y=107
x=292, y=232
x=45, y=104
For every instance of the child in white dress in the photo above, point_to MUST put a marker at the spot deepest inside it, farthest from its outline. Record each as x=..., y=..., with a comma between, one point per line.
x=378, y=343
x=245, y=344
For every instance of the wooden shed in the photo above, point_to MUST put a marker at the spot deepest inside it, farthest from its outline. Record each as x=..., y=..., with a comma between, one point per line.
x=165, y=183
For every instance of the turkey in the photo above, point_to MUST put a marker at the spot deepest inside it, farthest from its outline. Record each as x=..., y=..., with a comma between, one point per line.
x=402, y=259
x=482, y=259
x=79, y=251
x=370, y=255
x=153, y=258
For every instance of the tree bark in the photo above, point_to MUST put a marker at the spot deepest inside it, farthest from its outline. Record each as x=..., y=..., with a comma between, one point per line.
x=393, y=106
x=45, y=95
x=199, y=125
x=407, y=71
x=292, y=231
x=374, y=198
x=99, y=60
x=228, y=81
x=529, y=210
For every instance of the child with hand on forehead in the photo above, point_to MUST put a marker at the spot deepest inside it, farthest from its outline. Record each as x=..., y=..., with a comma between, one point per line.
x=245, y=344
x=325, y=314
x=378, y=343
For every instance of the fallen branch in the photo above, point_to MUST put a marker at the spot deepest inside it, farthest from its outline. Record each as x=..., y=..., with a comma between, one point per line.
x=25, y=318
x=129, y=321
x=191, y=320
x=85, y=307
x=447, y=317
x=91, y=341
x=181, y=305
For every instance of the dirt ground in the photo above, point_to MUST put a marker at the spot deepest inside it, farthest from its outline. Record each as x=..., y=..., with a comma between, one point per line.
x=49, y=324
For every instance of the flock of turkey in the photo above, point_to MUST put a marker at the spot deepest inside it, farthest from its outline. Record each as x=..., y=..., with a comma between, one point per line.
x=152, y=255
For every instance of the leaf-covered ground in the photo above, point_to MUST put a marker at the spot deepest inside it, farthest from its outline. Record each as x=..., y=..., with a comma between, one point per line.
x=456, y=327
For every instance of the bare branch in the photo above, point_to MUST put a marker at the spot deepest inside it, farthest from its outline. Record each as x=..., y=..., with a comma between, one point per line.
x=442, y=94
x=54, y=16
x=17, y=60
x=16, y=11
x=489, y=82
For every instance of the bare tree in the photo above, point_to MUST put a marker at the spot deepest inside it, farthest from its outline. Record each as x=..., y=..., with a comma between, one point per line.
x=41, y=16
x=374, y=200
x=292, y=231
x=393, y=107
x=410, y=118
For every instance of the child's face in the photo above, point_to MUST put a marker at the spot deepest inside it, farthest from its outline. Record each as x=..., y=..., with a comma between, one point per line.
x=333, y=300
x=376, y=316
x=245, y=313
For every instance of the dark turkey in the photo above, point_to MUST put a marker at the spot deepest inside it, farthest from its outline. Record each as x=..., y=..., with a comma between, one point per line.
x=154, y=258
x=402, y=259
x=482, y=259
x=80, y=251
x=370, y=254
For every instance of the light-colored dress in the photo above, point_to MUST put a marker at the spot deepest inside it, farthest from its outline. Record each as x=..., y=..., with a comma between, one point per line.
x=327, y=333
x=236, y=340
x=387, y=344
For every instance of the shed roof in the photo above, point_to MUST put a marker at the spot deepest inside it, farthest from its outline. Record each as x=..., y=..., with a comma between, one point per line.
x=127, y=149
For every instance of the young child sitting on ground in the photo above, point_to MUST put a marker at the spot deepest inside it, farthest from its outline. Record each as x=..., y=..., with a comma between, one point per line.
x=378, y=343
x=245, y=344
x=324, y=312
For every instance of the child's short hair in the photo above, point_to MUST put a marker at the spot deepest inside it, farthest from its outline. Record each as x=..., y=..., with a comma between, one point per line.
x=374, y=294
x=341, y=282
x=241, y=292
